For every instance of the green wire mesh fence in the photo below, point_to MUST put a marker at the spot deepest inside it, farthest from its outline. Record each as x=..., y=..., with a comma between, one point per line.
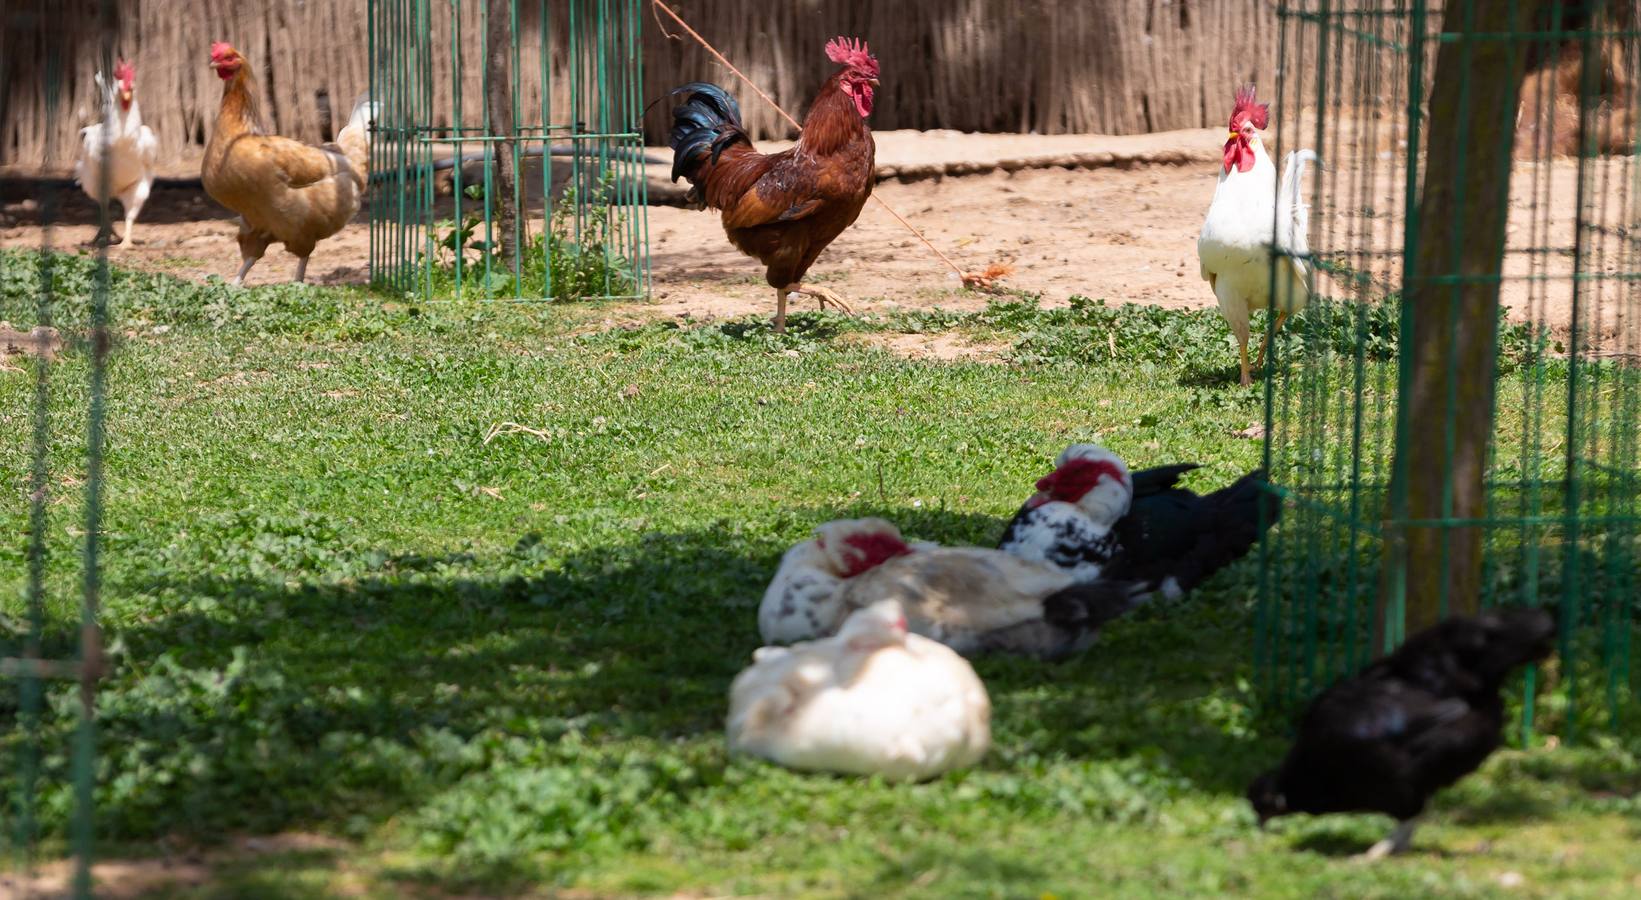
x=1550, y=513
x=50, y=642
x=507, y=153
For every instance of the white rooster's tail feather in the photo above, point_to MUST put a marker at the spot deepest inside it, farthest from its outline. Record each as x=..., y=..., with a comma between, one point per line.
x=365, y=109
x=1293, y=213
x=354, y=138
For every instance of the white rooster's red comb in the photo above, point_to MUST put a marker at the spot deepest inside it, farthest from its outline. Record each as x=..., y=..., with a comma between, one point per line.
x=125, y=73
x=1247, y=106
x=852, y=52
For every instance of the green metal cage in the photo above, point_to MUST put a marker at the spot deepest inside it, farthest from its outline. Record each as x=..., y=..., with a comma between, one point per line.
x=1556, y=389
x=50, y=637
x=507, y=154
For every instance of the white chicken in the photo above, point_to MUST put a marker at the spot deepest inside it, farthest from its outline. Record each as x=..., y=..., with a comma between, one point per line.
x=801, y=602
x=872, y=700
x=1251, y=213
x=118, y=155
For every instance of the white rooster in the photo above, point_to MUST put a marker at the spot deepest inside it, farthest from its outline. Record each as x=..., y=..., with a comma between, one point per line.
x=1236, y=241
x=872, y=700
x=118, y=154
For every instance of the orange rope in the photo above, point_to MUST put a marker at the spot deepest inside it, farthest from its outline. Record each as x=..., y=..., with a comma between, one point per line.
x=966, y=277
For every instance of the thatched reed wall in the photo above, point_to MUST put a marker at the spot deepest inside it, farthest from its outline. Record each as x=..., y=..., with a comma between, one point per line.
x=1051, y=66
x=304, y=52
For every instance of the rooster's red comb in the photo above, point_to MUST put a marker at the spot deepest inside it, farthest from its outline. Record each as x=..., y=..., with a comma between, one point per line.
x=1246, y=106
x=221, y=49
x=124, y=72
x=852, y=52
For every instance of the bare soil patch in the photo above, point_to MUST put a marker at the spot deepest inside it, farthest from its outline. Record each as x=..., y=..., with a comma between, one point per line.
x=1099, y=216
x=120, y=879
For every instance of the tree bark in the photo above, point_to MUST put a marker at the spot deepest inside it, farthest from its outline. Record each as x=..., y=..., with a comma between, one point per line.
x=498, y=103
x=1445, y=418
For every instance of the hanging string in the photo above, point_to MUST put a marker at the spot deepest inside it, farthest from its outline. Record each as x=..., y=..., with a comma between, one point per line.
x=980, y=280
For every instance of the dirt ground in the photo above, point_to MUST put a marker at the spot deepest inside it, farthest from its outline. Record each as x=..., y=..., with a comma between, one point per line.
x=1124, y=233
x=1104, y=217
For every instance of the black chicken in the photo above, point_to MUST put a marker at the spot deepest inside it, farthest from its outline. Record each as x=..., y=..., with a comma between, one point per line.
x=1169, y=524
x=1406, y=726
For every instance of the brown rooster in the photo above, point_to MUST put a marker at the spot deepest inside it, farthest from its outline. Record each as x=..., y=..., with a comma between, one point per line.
x=783, y=208
x=285, y=191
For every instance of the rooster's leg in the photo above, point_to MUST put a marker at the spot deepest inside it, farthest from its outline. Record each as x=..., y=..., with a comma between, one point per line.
x=251, y=247
x=823, y=296
x=244, y=267
x=780, y=310
x=301, y=269
x=133, y=205
x=1265, y=344
x=1398, y=842
x=1242, y=346
x=105, y=229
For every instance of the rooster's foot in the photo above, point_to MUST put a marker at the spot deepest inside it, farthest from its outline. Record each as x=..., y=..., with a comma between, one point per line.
x=1398, y=842
x=823, y=296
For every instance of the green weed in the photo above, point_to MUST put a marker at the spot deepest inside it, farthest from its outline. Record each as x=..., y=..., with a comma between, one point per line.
x=342, y=596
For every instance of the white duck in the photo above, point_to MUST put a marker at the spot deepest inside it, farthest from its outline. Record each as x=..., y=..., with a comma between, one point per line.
x=978, y=600
x=801, y=602
x=1252, y=212
x=121, y=148
x=871, y=700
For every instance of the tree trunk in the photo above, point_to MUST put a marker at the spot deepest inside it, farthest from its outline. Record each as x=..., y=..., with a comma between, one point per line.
x=498, y=104
x=1445, y=418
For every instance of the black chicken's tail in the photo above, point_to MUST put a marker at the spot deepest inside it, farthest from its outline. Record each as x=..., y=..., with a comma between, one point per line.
x=1187, y=538
x=1232, y=520
x=1161, y=478
x=706, y=123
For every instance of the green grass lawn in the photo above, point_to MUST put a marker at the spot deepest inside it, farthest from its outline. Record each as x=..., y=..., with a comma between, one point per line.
x=340, y=599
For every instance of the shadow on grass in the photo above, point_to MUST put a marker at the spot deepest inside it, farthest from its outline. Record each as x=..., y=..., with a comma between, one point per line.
x=967, y=867
x=1349, y=838
x=1340, y=843
x=1209, y=376
x=230, y=690
x=808, y=325
x=340, y=702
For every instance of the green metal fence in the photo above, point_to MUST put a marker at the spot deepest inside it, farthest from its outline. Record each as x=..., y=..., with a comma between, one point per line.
x=518, y=174
x=50, y=641
x=1555, y=514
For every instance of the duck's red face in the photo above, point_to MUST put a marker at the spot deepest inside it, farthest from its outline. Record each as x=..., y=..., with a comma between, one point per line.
x=872, y=550
x=1072, y=481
